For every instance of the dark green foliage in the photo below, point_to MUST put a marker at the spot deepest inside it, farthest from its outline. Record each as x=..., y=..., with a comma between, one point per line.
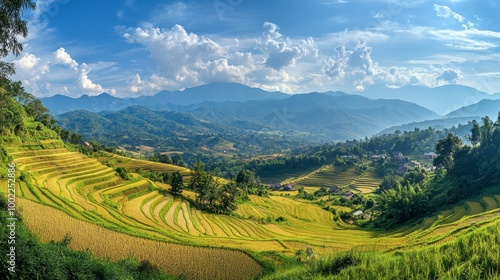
x=336, y=264
x=445, y=149
x=123, y=172
x=177, y=182
x=250, y=184
x=210, y=195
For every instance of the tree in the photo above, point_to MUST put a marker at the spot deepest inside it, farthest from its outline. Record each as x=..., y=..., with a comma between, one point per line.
x=487, y=130
x=475, y=136
x=11, y=27
x=177, y=182
x=228, y=195
x=446, y=148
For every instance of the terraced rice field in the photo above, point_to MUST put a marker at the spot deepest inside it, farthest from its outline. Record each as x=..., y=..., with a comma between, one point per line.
x=327, y=176
x=441, y=227
x=193, y=262
x=133, y=164
x=366, y=183
x=90, y=192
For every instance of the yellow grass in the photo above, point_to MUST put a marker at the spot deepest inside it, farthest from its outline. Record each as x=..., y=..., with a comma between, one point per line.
x=194, y=262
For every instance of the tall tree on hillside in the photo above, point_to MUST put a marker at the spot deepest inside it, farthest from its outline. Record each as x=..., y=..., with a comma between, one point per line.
x=487, y=130
x=11, y=27
x=475, y=136
x=446, y=148
x=177, y=182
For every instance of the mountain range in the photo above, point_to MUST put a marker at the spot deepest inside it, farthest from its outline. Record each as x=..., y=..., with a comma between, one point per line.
x=216, y=92
x=442, y=100
x=228, y=109
x=314, y=117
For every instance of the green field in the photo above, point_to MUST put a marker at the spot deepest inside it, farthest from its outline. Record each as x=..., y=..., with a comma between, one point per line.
x=85, y=190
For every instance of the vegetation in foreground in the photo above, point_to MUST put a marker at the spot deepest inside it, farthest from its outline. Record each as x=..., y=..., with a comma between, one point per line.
x=473, y=256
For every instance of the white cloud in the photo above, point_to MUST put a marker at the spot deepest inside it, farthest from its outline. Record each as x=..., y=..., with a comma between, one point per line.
x=32, y=70
x=28, y=61
x=281, y=51
x=87, y=85
x=62, y=57
x=446, y=12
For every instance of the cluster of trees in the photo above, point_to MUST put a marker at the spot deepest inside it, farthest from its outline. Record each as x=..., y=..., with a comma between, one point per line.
x=469, y=169
x=176, y=159
x=462, y=171
x=416, y=141
x=211, y=195
x=214, y=196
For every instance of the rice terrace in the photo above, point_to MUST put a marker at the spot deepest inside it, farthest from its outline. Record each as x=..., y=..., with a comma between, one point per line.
x=278, y=140
x=66, y=192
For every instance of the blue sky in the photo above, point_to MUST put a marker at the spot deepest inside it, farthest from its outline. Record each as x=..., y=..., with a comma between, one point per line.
x=132, y=47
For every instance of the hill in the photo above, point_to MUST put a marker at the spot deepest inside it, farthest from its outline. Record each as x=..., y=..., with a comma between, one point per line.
x=460, y=124
x=216, y=92
x=484, y=107
x=272, y=123
x=60, y=104
x=442, y=100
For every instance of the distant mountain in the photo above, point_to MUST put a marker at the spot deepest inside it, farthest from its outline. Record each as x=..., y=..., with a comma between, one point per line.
x=216, y=92
x=313, y=117
x=441, y=100
x=59, y=104
x=483, y=108
x=169, y=131
x=439, y=124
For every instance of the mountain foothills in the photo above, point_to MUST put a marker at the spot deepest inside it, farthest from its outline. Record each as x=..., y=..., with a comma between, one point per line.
x=442, y=100
x=359, y=209
x=271, y=124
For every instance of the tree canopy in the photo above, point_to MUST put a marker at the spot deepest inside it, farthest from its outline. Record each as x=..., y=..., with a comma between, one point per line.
x=11, y=27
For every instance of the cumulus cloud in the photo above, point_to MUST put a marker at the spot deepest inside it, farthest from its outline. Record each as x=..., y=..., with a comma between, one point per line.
x=354, y=65
x=281, y=51
x=186, y=59
x=85, y=83
x=27, y=61
x=62, y=57
x=31, y=69
x=446, y=12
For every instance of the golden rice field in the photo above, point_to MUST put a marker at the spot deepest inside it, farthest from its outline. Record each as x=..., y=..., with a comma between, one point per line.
x=327, y=176
x=86, y=198
x=190, y=261
x=366, y=183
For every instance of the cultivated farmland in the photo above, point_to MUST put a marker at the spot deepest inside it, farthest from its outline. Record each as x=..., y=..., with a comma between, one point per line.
x=85, y=194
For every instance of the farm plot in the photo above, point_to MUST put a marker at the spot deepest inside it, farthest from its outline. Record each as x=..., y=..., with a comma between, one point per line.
x=367, y=183
x=193, y=262
x=327, y=176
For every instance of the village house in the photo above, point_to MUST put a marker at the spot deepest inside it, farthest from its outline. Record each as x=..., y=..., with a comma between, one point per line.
x=289, y=187
x=397, y=155
x=357, y=213
x=335, y=189
x=87, y=145
x=348, y=195
x=274, y=187
x=430, y=155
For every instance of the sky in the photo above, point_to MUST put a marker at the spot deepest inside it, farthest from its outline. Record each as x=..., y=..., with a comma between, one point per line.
x=129, y=47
